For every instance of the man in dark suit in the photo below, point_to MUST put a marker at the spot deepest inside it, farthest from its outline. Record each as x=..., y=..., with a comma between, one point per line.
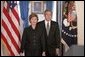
x=51, y=35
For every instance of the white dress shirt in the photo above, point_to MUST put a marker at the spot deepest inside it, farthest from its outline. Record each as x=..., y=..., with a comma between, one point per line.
x=46, y=23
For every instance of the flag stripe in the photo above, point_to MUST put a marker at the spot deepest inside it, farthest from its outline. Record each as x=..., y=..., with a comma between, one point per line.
x=11, y=22
x=14, y=22
x=9, y=41
x=17, y=24
x=10, y=28
x=9, y=48
x=11, y=37
x=15, y=14
x=12, y=16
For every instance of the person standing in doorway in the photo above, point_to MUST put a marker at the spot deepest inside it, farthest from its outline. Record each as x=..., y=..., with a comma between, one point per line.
x=51, y=34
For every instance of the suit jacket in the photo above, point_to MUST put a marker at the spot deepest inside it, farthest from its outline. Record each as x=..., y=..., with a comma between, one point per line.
x=31, y=42
x=51, y=41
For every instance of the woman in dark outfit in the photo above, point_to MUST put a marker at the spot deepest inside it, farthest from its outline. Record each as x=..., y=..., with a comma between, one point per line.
x=31, y=39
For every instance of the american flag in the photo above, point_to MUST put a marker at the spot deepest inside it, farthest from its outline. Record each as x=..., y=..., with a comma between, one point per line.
x=10, y=33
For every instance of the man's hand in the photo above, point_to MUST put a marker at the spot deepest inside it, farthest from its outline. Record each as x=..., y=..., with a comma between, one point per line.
x=43, y=54
x=22, y=54
x=57, y=52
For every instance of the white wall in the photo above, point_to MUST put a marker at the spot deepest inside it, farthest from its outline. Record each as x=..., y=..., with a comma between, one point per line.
x=40, y=16
x=80, y=21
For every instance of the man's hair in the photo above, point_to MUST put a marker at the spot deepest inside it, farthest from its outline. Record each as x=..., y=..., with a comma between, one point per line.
x=47, y=10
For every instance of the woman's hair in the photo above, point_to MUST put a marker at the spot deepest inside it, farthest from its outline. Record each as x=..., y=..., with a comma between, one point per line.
x=33, y=15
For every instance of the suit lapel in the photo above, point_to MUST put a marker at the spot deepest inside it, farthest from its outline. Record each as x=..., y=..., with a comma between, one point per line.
x=44, y=28
x=50, y=31
x=51, y=28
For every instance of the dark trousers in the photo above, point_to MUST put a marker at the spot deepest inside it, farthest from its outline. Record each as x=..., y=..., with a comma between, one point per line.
x=51, y=52
x=33, y=53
